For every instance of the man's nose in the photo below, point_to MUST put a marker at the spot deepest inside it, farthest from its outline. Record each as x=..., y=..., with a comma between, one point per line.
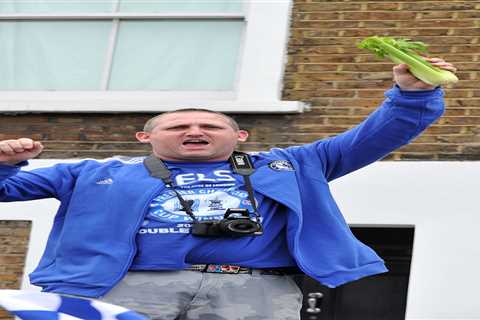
x=194, y=131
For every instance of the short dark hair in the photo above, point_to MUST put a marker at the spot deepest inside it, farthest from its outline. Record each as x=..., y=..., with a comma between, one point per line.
x=150, y=124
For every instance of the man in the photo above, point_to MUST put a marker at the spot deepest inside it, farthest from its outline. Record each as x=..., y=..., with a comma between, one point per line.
x=194, y=231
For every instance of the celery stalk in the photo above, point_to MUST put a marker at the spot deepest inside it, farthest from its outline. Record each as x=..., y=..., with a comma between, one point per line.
x=405, y=51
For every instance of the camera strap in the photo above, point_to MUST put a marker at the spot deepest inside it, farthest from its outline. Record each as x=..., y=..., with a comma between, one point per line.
x=157, y=169
x=242, y=165
x=240, y=162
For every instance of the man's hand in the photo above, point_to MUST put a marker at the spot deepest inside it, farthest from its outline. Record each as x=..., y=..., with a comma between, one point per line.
x=15, y=151
x=407, y=82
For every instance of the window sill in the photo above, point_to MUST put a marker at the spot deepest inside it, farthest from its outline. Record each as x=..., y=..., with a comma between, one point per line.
x=140, y=102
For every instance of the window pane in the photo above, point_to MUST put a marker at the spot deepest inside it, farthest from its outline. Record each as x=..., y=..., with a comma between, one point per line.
x=52, y=55
x=55, y=6
x=190, y=6
x=176, y=55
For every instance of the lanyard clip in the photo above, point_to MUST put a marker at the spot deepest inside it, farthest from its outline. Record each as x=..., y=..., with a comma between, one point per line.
x=241, y=163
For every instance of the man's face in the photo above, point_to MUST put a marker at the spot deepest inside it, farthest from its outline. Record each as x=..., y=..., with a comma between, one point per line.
x=192, y=136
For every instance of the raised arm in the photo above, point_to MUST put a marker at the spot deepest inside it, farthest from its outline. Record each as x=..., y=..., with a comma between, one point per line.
x=18, y=185
x=409, y=108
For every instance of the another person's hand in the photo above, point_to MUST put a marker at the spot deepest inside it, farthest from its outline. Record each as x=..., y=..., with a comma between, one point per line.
x=15, y=151
x=406, y=81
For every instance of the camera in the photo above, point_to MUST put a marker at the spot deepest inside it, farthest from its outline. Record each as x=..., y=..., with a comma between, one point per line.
x=235, y=223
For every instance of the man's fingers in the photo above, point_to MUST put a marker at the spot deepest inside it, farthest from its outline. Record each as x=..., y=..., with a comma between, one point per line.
x=434, y=60
x=6, y=149
x=11, y=147
x=446, y=66
x=17, y=146
x=37, y=148
x=437, y=62
x=401, y=67
x=16, y=151
x=26, y=143
x=37, y=145
x=440, y=63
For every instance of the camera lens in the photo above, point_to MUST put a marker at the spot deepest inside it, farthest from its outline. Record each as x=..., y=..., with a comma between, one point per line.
x=242, y=226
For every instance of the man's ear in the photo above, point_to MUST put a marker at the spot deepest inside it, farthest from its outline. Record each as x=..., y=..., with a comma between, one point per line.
x=143, y=137
x=242, y=135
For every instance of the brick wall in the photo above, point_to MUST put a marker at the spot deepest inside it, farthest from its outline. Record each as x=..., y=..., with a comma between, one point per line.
x=14, y=237
x=344, y=83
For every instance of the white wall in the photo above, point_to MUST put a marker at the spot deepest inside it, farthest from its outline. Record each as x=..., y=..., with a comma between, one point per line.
x=439, y=198
x=442, y=200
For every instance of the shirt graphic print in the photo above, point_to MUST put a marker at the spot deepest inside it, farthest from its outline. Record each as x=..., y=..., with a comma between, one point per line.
x=210, y=189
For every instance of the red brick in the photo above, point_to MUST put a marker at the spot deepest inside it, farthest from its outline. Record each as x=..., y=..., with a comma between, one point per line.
x=474, y=14
x=389, y=6
x=439, y=6
x=379, y=15
x=428, y=15
x=325, y=6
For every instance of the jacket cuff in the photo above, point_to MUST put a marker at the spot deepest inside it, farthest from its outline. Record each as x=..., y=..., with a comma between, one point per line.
x=438, y=91
x=413, y=99
x=4, y=166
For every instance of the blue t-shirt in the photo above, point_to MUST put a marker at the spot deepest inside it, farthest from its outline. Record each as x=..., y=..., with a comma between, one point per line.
x=210, y=188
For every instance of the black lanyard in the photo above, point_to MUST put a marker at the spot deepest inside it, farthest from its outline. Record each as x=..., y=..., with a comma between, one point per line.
x=240, y=162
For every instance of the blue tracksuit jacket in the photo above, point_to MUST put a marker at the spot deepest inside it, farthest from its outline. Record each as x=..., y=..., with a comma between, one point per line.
x=92, y=242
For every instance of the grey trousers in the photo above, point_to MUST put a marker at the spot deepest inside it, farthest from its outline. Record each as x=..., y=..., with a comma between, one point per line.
x=192, y=295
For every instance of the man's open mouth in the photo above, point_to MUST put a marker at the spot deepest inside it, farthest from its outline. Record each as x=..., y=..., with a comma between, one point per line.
x=195, y=142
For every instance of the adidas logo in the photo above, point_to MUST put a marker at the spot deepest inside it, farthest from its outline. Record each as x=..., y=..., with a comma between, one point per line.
x=104, y=181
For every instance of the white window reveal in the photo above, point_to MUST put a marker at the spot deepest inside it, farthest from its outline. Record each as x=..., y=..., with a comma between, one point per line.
x=143, y=56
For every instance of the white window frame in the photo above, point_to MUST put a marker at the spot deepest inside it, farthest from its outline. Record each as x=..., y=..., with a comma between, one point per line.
x=259, y=76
